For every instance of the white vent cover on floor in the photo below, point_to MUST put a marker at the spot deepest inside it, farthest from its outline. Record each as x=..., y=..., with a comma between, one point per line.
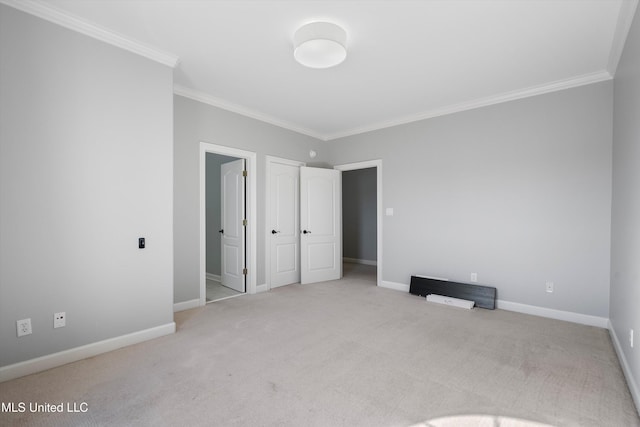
x=456, y=302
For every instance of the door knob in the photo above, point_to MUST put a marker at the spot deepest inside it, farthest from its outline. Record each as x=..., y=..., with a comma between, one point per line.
x=220, y=231
x=274, y=232
x=306, y=232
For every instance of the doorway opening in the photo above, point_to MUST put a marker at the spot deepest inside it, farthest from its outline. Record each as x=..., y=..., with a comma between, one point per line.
x=362, y=220
x=239, y=246
x=217, y=286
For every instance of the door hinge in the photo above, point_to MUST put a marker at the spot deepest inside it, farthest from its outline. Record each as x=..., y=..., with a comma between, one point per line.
x=245, y=271
x=244, y=222
x=244, y=173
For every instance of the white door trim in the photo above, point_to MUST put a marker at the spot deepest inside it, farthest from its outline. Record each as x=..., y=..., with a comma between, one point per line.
x=251, y=261
x=268, y=220
x=378, y=165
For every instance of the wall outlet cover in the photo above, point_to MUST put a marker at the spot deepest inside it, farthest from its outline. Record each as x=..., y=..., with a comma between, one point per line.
x=59, y=319
x=24, y=327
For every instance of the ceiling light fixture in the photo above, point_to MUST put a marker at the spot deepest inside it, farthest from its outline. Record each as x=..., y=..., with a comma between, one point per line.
x=320, y=45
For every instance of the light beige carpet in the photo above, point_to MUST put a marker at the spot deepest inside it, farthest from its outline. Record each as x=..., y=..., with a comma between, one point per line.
x=343, y=353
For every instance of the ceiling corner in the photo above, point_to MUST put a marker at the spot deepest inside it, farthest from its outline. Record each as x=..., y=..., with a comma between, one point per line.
x=49, y=13
x=625, y=19
x=243, y=111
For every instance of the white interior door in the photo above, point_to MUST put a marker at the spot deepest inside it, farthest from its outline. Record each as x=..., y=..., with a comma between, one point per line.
x=233, y=230
x=321, y=223
x=285, y=224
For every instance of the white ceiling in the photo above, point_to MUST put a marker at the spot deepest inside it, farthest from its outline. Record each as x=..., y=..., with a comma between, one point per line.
x=407, y=60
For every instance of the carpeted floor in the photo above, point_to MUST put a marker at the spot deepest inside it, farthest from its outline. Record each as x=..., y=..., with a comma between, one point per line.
x=342, y=353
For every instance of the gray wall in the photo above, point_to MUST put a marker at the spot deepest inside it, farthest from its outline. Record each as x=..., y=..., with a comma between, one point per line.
x=359, y=203
x=625, y=229
x=213, y=163
x=85, y=169
x=195, y=122
x=519, y=193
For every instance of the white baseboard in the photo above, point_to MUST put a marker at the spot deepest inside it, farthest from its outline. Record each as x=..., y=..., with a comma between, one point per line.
x=262, y=288
x=631, y=382
x=186, y=305
x=54, y=360
x=569, y=316
x=395, y=286
x=360, y=261
x=584, y=319
x=214, y=277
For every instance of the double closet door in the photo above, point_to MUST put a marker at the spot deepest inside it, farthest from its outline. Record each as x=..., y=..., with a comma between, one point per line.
x=306, y=224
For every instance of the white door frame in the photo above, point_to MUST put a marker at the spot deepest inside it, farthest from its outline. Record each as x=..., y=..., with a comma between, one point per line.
x=268, y=220
x=378, y=165
x=251, y=209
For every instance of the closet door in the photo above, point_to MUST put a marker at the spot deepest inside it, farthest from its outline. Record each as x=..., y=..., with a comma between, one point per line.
x=321, y=224
x=285, y=224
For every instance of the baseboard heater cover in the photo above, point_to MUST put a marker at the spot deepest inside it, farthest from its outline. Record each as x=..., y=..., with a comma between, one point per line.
x=456, y=302
x=483, y=296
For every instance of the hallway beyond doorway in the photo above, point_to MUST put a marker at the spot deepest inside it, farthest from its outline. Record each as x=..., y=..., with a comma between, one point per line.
x=367, y=273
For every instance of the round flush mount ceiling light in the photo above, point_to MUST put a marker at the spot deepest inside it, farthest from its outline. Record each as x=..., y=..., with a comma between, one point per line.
x=320, y=45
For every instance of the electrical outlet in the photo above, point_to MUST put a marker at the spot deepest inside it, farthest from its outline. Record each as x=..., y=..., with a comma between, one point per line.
x=59, y=320
x=474, y=277
x=549, y=287
x=24, y=327
x=631, y=337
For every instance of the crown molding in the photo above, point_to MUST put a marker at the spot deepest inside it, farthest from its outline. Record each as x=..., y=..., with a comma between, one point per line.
x=239, y=109
x=72, y=22
x=625, y=19
x=456, y=108
x=482, y=102
x=45, y=11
